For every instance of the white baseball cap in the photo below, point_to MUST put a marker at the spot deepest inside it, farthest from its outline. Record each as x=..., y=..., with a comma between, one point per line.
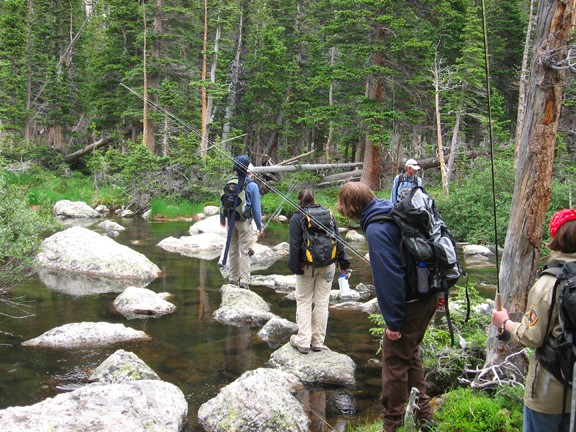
x=412, y=164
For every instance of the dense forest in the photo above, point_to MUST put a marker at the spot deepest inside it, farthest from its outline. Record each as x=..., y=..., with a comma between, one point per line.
x=269, y=78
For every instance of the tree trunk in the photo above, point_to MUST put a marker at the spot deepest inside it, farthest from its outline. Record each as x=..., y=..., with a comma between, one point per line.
x=233, y=87
x=203, y=137
x=28, y=73
x=73, y=156
x=532, y=189
x=523, y=80
x=329, y=144
x=439, y=143
x=453, y=148
x=374, y=91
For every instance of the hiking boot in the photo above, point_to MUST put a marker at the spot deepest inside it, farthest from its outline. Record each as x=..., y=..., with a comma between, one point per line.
x=244, y=285
x=301, y=350
x=319, y=348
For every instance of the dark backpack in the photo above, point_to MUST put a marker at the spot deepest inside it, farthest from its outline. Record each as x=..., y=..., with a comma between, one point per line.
x=559, y=359
x=231, y=201
x=428, y=249
x=319, y=242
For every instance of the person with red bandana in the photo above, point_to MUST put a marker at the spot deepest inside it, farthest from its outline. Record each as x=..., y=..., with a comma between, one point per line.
x=544, y=408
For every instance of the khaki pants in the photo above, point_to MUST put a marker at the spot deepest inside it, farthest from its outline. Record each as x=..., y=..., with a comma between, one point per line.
x=238, y=258
x=402, y=365
x=312, y=300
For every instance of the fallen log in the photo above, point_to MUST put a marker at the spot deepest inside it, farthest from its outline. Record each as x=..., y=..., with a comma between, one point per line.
x=303, y=167
x=100, y=143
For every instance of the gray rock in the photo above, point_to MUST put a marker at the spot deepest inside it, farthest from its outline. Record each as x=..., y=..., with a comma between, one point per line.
x=123, y=366
x=137, y=302
x=109, y=225
x=277, y=330
x=260, y=400
x=79, y=250
x=134, y=406
x=279, y=283
x=476, y=250
x=85, y=334
x=74, y=209
x=242, y=307
x=205, y=245
x=80, y=285
x=323, y=367
x=211, y=210
x=355, y=237
x=209, y=225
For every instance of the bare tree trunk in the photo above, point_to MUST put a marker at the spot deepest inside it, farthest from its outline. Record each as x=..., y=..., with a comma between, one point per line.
x=439, y=143
x=204, y=138
x=453, y=148
x=532, y=189
x=28, y=73
x=373, y=152
x=329, y=149
x=523, y=80
x=233, y=87
x=145, y=132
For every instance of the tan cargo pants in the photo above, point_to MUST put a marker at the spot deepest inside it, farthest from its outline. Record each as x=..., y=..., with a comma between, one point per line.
x=312, y=300
x=238, y=258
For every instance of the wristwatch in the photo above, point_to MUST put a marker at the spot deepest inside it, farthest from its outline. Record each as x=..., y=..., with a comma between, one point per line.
x=504, y=336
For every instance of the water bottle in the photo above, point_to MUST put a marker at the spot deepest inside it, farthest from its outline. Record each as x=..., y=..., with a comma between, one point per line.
x=344, y=285
x=423, y=275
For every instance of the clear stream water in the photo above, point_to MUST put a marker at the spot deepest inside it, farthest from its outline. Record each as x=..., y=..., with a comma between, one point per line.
x=188, y=348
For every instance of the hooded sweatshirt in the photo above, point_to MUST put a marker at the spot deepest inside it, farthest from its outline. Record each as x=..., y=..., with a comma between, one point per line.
x=384, y=247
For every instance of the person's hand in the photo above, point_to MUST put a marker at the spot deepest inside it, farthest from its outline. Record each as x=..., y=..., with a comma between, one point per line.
x=499, y=316
x=261, y=232
x=392, y=335
x=223, y=225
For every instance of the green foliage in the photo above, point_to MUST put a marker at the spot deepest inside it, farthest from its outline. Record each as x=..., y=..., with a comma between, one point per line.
x=468, y=209
x=465, y=410
x=20, y=234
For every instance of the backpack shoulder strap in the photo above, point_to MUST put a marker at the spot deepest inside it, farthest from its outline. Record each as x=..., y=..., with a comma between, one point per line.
x=554, y=268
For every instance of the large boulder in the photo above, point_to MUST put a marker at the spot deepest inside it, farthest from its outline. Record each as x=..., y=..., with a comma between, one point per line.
x=79, y=285
x=137, y=302
x=85, y=334
x=205, y=246
x=80, y=250
x=260, y=400
x=242, y=307
x=135, y=406
x=324, y=367
x=74, y=210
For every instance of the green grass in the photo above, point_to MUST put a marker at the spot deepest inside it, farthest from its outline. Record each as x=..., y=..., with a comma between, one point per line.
x=175, y=209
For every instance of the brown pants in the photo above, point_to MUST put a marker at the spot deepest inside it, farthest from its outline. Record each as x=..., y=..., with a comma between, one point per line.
x=402, y=366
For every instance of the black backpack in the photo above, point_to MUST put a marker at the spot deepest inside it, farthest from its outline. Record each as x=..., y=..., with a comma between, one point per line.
x=428, y=249
x=559, y=359
x=319, y=242
x=231, y=201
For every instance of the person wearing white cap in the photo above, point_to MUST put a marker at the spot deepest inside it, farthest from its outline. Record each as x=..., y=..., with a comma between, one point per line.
x=404, y=182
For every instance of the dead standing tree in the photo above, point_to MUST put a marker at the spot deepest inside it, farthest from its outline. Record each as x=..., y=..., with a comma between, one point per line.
x=532, y=189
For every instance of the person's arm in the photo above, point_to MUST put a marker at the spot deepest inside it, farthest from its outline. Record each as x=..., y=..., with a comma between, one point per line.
x=393, y=196
x=253, y=202
x=387, y=272
x=531, y=331
x=295, y=245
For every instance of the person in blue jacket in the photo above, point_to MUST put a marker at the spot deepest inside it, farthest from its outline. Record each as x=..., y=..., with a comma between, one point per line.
x=238, y=248
x=406, y=316
x=405, y=181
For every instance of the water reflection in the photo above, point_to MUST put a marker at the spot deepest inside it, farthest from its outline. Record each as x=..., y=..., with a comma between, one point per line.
x=188, y=347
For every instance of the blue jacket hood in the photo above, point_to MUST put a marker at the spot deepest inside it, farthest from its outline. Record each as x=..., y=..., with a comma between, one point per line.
x=374, y=208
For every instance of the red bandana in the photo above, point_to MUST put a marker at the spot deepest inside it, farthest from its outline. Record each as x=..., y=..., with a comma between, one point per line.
x=559, y=218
